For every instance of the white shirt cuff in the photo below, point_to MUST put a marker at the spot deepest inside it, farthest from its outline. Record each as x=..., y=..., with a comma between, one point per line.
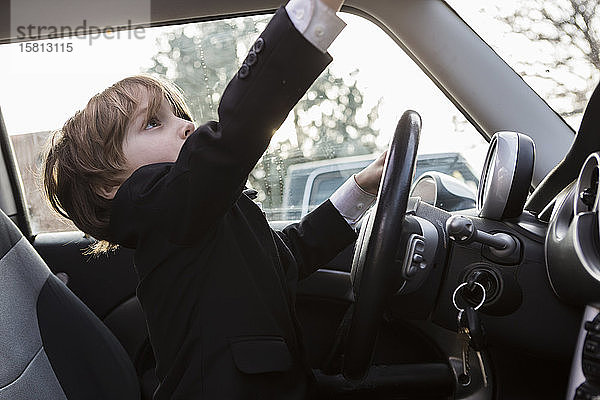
x=352, y=201
x=318, y=23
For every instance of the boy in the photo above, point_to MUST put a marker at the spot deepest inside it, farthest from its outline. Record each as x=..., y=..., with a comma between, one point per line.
x=217, y=285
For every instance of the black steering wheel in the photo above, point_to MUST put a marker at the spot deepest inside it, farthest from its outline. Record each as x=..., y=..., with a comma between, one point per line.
x=375, y=273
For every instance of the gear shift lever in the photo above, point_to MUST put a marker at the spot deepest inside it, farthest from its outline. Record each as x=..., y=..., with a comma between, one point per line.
x=462, y=230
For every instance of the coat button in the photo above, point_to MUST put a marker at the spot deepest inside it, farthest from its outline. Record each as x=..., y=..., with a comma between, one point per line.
x=258, y=45
x=244, y=71
x=251, y=58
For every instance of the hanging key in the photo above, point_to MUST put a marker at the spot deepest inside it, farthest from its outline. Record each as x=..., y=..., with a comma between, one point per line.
x=470, y=319
x=464, y=339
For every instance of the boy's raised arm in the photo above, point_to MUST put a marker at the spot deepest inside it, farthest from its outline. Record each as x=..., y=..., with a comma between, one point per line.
x=217, y=158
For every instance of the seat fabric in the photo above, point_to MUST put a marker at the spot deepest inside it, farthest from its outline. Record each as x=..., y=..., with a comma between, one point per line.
x=51, y=345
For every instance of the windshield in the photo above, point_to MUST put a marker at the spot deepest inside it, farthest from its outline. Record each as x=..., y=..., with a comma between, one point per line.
x=554, y=45
x=342, y=124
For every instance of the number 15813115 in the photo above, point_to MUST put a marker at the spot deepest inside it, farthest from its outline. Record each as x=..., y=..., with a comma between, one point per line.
x=46, y=47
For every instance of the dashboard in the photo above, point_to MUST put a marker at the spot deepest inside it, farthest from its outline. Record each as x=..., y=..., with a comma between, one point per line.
x=542, y=296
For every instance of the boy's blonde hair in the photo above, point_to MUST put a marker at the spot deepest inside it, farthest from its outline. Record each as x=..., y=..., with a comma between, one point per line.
x=87, y=153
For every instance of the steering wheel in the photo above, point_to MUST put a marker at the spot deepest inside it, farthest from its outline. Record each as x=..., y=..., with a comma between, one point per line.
x=375, y=272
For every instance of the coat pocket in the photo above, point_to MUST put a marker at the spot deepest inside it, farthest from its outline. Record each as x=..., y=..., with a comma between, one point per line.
x=260, y=354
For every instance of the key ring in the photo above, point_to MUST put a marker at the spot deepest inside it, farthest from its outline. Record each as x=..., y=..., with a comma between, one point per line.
x=478, y=306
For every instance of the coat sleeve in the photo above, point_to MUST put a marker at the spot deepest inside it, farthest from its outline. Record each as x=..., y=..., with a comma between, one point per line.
x=317, y=238
x=215, y=161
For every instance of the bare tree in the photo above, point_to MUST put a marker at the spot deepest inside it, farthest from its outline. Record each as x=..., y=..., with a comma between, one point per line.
x=569, y=31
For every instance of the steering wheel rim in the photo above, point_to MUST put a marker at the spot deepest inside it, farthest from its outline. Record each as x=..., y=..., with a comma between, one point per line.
x=375, y=272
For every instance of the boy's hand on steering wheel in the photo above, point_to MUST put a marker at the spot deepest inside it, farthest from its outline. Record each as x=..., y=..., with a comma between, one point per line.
x=369, y=178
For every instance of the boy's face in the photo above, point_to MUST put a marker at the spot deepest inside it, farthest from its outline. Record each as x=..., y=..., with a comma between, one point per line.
x=154, y=140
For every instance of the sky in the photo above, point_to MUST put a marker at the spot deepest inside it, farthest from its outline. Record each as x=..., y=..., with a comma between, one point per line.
x=40, y=91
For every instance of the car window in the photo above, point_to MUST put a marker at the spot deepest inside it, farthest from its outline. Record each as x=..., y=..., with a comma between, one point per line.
x=554, y=45
x=343, y=122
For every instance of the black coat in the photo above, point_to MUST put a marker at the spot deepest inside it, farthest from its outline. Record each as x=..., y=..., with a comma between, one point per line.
x=217, y=285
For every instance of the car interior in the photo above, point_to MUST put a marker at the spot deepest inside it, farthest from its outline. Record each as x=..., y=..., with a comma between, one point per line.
x=441, y=297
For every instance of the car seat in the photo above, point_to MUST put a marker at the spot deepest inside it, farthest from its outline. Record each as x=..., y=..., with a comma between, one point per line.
x=51, y=345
